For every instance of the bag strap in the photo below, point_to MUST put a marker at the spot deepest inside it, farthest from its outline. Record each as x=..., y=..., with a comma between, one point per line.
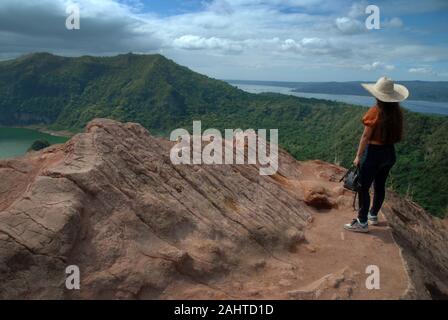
x=358, y=169
x=349, y=170
x=346, y=173
x=354, y=201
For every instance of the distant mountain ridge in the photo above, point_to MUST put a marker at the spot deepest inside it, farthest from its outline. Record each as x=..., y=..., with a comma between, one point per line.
x=436, y=91
x=66, y=93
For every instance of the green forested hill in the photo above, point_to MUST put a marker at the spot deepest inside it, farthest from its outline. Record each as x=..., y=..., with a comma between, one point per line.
x=68, y=92
x=65, y=93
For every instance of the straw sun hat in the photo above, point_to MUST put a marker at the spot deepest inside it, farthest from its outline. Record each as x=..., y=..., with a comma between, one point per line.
x=386, y=90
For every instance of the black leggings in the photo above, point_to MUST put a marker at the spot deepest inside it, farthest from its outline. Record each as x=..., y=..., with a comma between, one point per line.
x=375, y=166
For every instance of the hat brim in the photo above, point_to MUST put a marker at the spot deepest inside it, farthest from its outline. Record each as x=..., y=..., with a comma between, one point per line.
x=400, y=93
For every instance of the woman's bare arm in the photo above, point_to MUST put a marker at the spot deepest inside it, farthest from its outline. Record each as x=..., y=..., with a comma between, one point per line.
x=365, y=138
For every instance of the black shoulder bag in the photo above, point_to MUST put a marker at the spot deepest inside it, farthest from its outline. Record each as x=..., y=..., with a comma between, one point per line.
x=351, y=182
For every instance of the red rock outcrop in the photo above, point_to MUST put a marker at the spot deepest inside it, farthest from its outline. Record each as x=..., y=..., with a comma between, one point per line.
x=111, y=202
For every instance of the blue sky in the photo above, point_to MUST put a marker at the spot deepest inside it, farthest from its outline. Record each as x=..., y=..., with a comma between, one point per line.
x=173, y=7
x=284, y=40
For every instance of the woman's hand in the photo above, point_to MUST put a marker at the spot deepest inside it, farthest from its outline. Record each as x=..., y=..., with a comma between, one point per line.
x=356, y=161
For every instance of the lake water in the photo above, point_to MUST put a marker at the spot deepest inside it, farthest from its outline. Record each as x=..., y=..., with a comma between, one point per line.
x=16, y=141
x=366, y=101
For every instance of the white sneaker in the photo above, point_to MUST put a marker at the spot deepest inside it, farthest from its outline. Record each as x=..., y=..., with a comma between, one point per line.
x=357, y=226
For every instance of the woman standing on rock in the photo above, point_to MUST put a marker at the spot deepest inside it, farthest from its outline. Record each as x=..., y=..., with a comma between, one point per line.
x=383, y=127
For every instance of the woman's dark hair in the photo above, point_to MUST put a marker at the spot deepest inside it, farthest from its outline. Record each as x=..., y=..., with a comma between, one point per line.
x=390, y=122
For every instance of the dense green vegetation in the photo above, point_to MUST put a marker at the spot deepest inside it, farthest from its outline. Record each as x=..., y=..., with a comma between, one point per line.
x=65, y=93
x=39, y=145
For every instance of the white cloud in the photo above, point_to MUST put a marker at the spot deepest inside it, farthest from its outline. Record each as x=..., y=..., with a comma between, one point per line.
x=220, y=6
x=349, y=26
x=193, y=42
x=315, y=43
x=313, y=46
x=421, y=70
x=395, y=22
x=377, y=65
x=358, y=9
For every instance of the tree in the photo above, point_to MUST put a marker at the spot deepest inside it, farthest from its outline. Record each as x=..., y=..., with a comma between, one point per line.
x=39, y=145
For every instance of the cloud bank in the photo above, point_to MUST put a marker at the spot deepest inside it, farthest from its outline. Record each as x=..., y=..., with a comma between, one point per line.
x=246, y=39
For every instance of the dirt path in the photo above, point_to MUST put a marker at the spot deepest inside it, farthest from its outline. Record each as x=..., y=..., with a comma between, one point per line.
x=330, y=264
x=337, y=249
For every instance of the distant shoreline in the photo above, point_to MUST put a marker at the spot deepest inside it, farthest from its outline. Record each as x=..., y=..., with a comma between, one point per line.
x=424, y=91
x=421, y=106
x=43, y=129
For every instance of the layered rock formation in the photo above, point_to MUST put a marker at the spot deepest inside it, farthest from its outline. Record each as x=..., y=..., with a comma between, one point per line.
x=424, y=243
x=138, y=227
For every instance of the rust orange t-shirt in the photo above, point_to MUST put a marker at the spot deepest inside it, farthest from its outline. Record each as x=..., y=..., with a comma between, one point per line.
x=371, y=119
